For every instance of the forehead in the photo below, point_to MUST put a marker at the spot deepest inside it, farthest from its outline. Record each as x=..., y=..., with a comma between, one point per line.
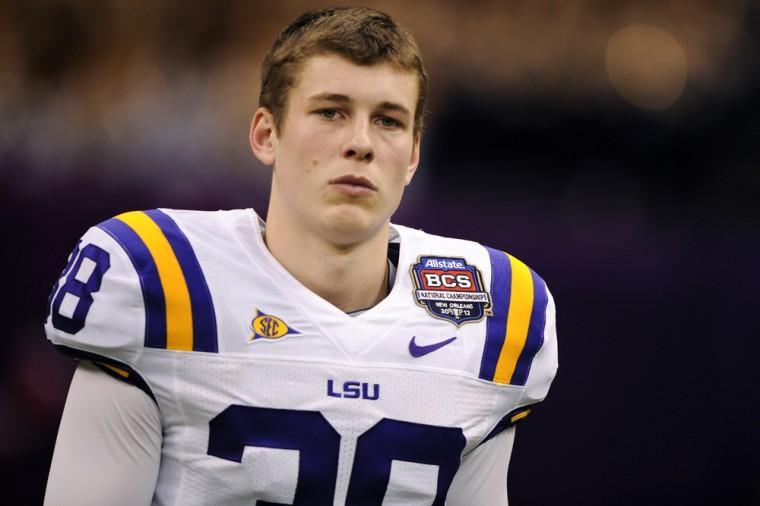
x=370, y=84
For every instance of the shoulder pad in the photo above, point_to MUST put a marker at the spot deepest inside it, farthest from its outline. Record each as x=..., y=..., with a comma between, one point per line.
x=520, y=347
x=133, y=282
x=96, y=307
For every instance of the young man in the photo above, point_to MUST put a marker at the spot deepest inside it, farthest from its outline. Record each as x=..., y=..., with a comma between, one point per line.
x=327, y=357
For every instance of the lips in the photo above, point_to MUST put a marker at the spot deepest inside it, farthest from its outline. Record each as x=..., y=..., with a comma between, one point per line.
x=353, y=185
x=354, y=181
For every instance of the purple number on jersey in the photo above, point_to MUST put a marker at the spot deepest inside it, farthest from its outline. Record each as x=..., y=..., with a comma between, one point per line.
x=83, y=276
x=318, y=443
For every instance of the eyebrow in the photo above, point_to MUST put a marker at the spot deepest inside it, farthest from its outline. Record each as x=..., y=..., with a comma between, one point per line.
x=345, y=99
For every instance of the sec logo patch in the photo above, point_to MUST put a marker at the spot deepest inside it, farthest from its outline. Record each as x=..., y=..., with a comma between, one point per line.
x=450, y=289
x=269, y=327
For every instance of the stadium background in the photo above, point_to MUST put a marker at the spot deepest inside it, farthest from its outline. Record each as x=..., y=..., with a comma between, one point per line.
x=611, y=145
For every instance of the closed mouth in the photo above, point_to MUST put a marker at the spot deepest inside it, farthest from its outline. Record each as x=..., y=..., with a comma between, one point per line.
x=359, y=181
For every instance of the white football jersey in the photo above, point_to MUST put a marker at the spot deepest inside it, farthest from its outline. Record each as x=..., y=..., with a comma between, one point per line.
x=269, y=394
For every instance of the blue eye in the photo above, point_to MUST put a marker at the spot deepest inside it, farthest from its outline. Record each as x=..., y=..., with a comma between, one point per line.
x=328, y=113
x=389, y=122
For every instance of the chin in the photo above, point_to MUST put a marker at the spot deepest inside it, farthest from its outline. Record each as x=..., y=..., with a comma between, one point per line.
x=349, y=224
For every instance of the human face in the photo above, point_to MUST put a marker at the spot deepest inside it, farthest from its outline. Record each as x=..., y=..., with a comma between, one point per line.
x=346, y=148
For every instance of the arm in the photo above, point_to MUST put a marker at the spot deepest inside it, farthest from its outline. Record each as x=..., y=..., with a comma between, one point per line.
x=109, y=443
x=482, y=476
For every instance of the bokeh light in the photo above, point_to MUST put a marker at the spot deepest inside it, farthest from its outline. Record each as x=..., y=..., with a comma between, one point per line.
x=647, y=66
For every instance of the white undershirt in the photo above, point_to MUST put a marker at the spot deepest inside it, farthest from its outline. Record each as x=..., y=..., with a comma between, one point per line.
x=108, y=450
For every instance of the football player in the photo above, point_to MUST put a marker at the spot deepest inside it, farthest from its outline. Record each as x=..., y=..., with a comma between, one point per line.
x=325, y=357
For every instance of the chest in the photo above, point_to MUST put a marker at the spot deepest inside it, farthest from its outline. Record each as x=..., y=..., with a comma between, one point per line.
x=296, y=431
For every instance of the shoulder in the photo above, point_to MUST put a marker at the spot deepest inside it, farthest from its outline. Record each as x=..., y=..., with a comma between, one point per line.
x=468, y=282
x=174, y=226
x=506, y=277
x=95, y=307
x=135, y=281
x=489, y=259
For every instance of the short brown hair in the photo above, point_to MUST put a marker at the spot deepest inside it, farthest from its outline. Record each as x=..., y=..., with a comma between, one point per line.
x=362, y=35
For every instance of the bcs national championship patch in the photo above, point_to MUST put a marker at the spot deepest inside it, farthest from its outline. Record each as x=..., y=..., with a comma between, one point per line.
x=450, y=289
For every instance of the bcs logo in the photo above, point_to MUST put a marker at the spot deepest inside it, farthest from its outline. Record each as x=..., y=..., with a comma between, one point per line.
x=450, y=289
x=443, y=281
x=269, y=327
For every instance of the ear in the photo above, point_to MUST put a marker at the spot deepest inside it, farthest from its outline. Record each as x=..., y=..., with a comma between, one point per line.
x=414, y=160
x=263, y=136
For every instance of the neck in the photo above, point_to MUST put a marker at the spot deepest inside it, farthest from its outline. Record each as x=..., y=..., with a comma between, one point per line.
x=350, y=277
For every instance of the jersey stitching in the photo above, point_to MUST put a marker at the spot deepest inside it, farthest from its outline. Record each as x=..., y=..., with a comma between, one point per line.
x=243, y=357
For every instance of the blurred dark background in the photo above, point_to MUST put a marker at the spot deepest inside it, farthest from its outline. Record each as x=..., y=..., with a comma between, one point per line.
x=613, y=146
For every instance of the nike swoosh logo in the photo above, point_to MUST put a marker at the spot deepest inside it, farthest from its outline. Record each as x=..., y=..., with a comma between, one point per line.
x=417, y=350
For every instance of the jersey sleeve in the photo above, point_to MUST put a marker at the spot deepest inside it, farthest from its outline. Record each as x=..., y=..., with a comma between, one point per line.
x=545, y=362
x=520, y=350
x=96, y=310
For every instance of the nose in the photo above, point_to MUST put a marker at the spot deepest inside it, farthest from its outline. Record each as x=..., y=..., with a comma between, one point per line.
x=359, y=145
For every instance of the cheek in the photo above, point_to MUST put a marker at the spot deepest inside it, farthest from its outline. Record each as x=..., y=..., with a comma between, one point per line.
x=301, y=155
x=313, y=151
x=398, y=156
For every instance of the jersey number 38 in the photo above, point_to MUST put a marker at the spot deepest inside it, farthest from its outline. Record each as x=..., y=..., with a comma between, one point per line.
x=318, y=444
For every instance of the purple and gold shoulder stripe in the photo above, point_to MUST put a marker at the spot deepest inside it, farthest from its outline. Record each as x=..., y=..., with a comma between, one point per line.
x=179, y=311
x=515, y=330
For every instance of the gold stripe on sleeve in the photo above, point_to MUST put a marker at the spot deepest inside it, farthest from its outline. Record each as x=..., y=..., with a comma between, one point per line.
x=179, y=314
x=518, y=320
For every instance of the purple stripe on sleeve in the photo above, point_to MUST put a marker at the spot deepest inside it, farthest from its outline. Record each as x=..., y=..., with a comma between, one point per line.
x=204, y=318
x=535, y=338
x=496, y=325
x=150, y=283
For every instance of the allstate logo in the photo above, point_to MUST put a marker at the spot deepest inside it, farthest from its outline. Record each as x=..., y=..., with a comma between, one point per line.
x=269, y=327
